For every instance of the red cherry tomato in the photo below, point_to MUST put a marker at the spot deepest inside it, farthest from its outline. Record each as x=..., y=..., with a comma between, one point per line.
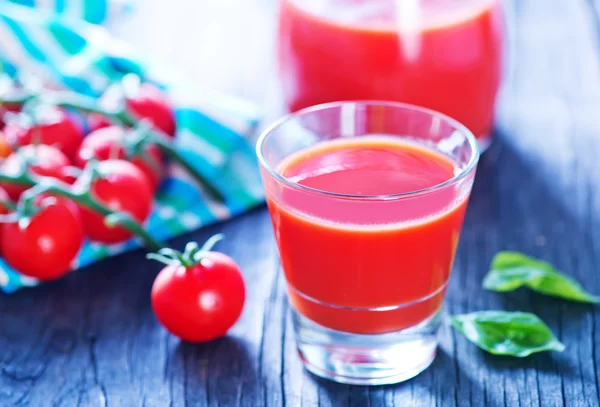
x=122, y=187
x=3, y=209
x=56, y=129
x=5, y=148
x=7, y=107
x=199, y=303
x=10, y=107
x=3, y=197
x=151, y=103
x=46, y=248
x=45, y=161
x=96, y=122
x=107, y=143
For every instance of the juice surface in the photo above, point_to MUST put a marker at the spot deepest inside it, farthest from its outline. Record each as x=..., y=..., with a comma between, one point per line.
x=442, y=54
x=360, y=255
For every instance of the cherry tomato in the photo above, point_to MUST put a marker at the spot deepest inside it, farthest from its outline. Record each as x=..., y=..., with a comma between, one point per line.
x=7, y=107
x=122, y=187
x=3, y=209
x=151, y=103
x=55, y=129
x=48, y=245
x=5, y=148
x=96, y=122
x=108, y=143
x=201, y=302
x=10, y=107
x=45, y=160
x=9, y=91
x=3, y=197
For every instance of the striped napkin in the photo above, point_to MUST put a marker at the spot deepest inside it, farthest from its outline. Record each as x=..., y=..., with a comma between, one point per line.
x=93, y=11
x=212, y=128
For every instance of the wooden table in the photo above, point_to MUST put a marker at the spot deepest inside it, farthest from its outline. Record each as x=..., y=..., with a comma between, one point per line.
x=91, y=339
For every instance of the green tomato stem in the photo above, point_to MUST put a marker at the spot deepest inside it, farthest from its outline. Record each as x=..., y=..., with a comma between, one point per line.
x=154, y=136
x=15, y=100
x=8, y=204
x=88, y=104
x=44, y=185
x=41, y=185
x=166, y=146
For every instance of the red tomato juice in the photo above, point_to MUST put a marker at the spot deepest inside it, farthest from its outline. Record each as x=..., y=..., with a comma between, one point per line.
x=344, y=257
x=441, y=54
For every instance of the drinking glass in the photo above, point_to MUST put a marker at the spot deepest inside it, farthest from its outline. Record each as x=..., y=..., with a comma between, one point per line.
x=366, y=275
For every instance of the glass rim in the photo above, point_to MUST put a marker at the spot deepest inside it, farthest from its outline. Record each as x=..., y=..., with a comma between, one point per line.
x=468, y=168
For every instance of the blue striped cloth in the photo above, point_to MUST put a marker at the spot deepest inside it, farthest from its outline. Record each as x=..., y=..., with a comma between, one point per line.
x=212, y=128
x=93, y=11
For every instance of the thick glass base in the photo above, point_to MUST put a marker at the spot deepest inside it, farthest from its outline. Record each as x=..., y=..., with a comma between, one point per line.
x=366, y=359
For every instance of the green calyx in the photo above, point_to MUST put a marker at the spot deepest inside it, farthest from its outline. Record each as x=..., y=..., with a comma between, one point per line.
x=191, y=256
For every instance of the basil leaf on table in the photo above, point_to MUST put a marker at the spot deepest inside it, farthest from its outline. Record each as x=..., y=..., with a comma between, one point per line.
x=511, y=270
x=516, y=334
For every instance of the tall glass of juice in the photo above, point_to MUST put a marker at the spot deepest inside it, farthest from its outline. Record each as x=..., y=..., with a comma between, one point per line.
x=446, y=55
x=367, y=202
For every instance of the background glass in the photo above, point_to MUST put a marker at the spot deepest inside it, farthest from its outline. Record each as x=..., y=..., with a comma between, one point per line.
x=446, y=55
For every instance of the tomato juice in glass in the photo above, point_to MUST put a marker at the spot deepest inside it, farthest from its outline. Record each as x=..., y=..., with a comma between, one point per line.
x=446, y=55
x=367, y=201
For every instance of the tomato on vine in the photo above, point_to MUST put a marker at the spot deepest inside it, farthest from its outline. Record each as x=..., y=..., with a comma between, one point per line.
x=109, y=143
x=149, y=102
x=4, y=110
x=46, y=247
x=200, y=293
x=7, y=108
x=122, y=187
x=96, y=121
x=42, y=160
x=10, y=107
x=145, y=101
x=4, y=198
x=5, y=147
x=3, y=208
x=52, y=127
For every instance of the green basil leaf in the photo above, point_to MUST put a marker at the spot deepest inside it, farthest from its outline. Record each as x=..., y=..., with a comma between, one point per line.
x=516, y=334
x=511, y=270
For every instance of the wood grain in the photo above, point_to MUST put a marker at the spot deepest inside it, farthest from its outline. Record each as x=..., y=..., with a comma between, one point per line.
x=91, y=339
